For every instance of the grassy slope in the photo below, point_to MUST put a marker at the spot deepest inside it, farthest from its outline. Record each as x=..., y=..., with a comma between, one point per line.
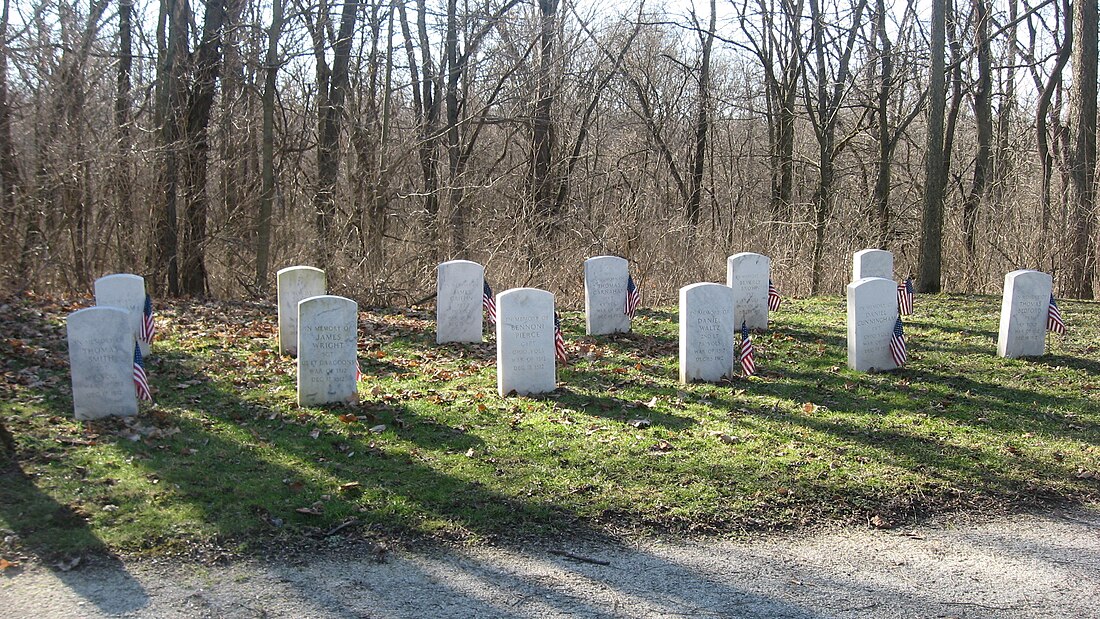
x=226, y=455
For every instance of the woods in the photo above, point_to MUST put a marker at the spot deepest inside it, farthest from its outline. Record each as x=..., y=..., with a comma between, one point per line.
x=206, y=145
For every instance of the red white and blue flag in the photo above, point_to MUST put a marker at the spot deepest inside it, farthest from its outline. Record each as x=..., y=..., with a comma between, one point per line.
x=897, y=344
x=633, y=297
x=774, y=300
x=747, y=352
x=488, y=302
x=358, y=372
x=148, y=328
x=141, y=379
x=1055, y=324
x=559, y=340
x=905, y=297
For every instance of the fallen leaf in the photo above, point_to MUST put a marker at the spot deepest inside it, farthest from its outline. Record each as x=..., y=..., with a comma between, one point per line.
x=312, y=511
x=66, y=565
x=349, y=418
x=639, y=423
x=315, y=433
x=727, y=439
x=809, y=407
x=378, y=429
x=662, y=445
x=470, y=452
x=879, y=522
x=5, y=564
x=348, y=487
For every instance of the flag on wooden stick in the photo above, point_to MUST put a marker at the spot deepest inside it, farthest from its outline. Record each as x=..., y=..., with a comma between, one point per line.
x=488, y=302
x=774, y=300
x=633, y=297
x=559, y=340
x=148, y=327
x=141, y=379
x=905, y=297
x=747, y=352
x=1055, y=324
x=897, y=344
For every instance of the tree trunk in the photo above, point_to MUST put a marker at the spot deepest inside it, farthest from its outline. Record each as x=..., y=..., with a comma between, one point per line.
x=983, y=117
x=698, y=156
x=172, y=48
x=542, y=124
x=196, y=148
x=1042, y=135
x=127, y=249
x=931, y=239
x=882, y=124
x=267, y=163
x=9, y=167
x=1082, y=162
x=328, y=141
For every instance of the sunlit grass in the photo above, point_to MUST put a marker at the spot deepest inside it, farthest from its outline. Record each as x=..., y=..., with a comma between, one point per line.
x=227, y=456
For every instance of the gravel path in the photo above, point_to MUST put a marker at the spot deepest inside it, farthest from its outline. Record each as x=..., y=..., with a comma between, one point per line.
x=1026, y=565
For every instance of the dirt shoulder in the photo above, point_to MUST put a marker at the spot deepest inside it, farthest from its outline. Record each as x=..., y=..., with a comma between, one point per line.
x=1044, y=564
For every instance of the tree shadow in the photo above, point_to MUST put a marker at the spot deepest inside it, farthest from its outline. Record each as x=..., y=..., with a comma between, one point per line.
x=41, y=522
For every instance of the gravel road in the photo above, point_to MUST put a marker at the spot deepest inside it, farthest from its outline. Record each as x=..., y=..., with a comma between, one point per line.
x=1025, y=565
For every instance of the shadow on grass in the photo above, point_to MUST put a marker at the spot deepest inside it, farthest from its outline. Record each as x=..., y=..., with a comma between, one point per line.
x=57, y=533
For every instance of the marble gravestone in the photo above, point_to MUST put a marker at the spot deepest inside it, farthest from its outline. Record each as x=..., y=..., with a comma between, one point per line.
x=1024, y=308
x=126, y=291
x=706, y=332
x=295, y=284
x=748, y=275
x=458, y=302
x=101, y=361
x=872, y=263
x=525, y=342
x=872, y=312
x=327, y=342
x=605, y=295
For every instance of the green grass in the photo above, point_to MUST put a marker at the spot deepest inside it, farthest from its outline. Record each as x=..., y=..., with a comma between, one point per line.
x=227, y=457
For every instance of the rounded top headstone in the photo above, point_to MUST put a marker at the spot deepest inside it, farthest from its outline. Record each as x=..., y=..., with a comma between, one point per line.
x=298, y=268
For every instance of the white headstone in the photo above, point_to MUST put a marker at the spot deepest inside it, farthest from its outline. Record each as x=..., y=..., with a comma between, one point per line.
x=706, y=332
x=525, y=342
x=748, y=274
x=872, y=263
x=1024, y=308
x=101, y=360
x=605, y=295
x=127, y=291
x=458, y=314
x=295, y=284
x=872, y=312
x=327, y=339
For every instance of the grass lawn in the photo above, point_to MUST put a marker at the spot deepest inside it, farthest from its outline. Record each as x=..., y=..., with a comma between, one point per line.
x=227, y=457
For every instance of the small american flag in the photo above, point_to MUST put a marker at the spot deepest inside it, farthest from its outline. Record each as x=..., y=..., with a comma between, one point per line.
x=747, y=354
x=148, y=328
x=905, y=297
x=358, y=372
x=559, y=340
x=633, y=297
x=488, y=303
x=141, y=379
x=1055, y=324
x=897, y=344
x=774, y=300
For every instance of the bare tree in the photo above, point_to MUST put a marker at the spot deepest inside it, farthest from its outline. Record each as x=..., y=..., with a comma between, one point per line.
x=823, y=106
x=935, y=172
x=1082, y=160
x=267, y=158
